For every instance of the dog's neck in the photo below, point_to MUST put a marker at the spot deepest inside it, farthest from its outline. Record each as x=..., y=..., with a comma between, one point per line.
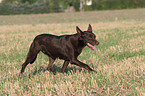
x=80, y=44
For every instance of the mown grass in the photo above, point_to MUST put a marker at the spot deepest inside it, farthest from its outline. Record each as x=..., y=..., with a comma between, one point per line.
x=119, y=59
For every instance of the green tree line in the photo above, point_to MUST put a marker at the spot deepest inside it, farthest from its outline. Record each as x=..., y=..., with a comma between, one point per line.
x=8, y=7
x=115, y=4
x=49, y=6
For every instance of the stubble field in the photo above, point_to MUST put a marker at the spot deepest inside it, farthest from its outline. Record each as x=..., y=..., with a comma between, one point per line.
x=119, y=59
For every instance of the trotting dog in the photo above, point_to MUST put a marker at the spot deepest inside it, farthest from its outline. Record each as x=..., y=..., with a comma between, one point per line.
x=66, y=47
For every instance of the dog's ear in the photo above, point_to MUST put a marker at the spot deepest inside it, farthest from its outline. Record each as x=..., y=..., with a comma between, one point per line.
x=90, y=28
x=79, y=31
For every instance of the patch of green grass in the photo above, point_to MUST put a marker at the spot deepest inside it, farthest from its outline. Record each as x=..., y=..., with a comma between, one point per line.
x=125, y=55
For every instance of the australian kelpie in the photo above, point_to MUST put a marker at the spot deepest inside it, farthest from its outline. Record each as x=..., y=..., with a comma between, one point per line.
x=66, y=47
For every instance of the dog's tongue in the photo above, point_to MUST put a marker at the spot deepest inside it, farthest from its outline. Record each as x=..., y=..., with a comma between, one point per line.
x=92, y=47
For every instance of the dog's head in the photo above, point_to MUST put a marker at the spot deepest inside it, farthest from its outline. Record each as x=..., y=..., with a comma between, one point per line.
x=88, y=37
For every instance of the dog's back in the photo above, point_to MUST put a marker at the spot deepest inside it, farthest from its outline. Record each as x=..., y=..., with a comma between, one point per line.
x=57, y=46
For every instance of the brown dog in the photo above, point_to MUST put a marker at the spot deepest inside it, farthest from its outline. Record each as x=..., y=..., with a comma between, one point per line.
x=66, y=47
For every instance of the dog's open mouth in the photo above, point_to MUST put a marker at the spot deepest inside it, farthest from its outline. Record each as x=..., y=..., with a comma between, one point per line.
x=91, y=46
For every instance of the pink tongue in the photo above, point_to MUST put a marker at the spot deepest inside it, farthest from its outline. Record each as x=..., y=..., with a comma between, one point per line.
x=92, y=47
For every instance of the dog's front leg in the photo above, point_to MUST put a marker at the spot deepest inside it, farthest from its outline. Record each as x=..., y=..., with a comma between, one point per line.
x=78, y=63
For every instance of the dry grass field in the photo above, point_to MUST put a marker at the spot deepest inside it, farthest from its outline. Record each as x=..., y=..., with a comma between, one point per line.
x=119, y=60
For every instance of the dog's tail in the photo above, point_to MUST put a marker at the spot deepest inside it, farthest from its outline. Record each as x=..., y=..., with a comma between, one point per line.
x=33, y=51
x=32, y=55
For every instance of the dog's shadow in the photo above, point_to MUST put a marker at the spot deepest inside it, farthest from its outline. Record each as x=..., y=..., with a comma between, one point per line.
x=55, y=69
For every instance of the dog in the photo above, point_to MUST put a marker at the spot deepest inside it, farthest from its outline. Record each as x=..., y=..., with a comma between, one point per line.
x=65, y=47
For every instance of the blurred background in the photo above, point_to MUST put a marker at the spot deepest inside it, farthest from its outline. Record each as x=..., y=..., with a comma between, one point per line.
x=8, y=7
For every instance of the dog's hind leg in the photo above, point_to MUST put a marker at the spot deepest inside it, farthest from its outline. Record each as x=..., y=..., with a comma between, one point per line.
x=65, y=64
x=31, y=57
x=51, y=61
